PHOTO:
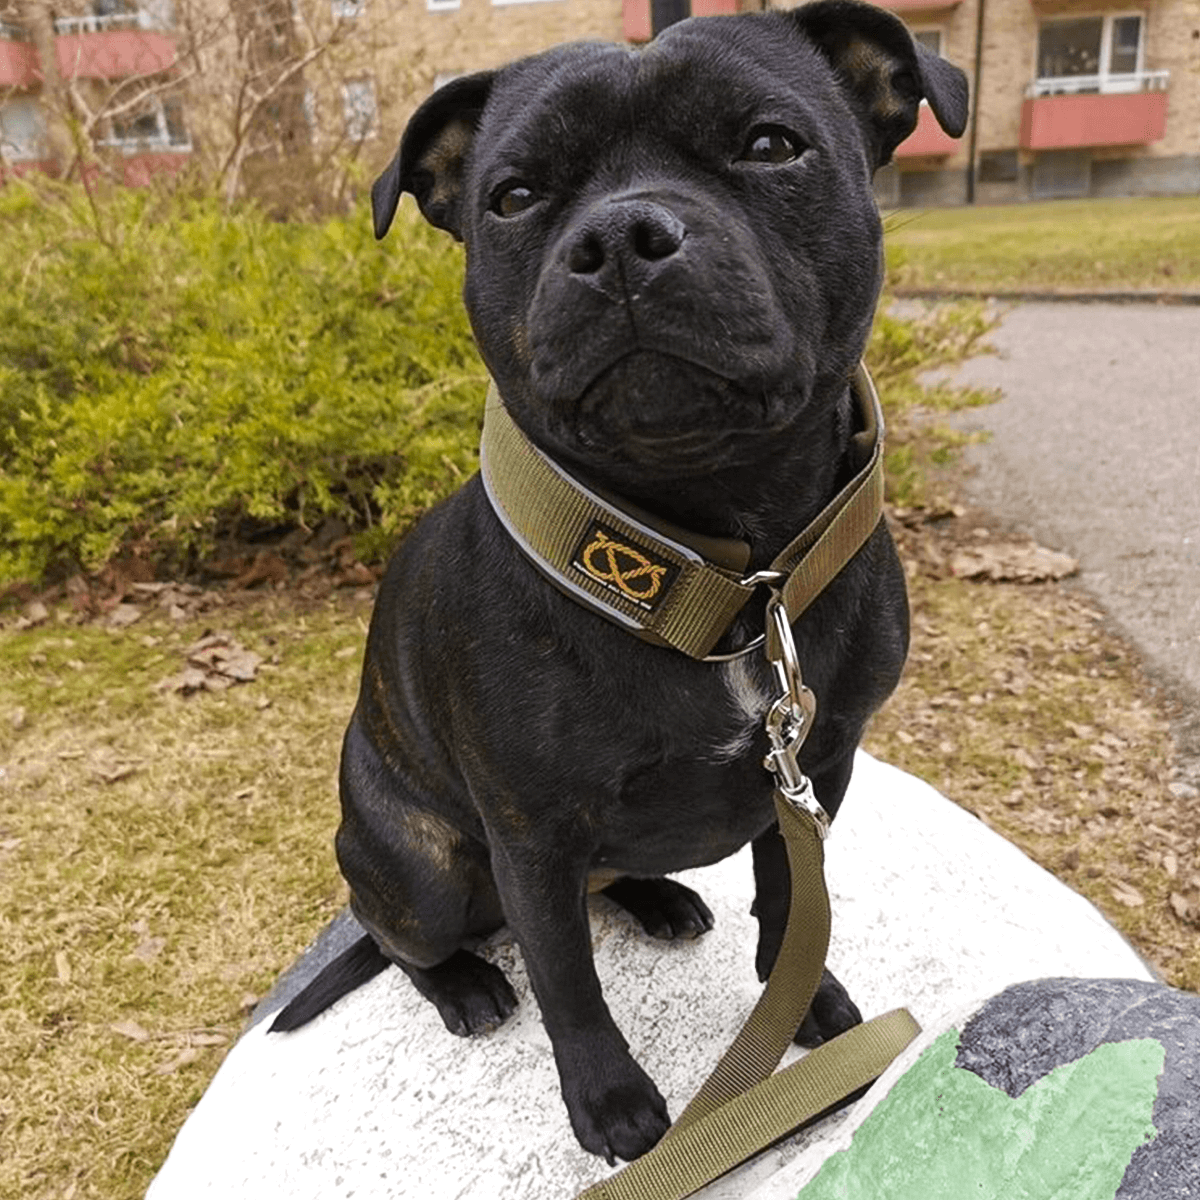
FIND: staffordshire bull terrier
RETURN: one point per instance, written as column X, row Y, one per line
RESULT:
column 673, row 257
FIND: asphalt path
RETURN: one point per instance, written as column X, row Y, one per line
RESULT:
column 1094, row 449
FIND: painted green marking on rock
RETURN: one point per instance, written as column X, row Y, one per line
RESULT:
column 942, row 1133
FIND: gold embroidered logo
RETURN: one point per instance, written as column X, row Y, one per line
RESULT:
column 629, row 570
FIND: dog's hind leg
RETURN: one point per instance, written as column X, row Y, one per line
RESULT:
column 666, row 909
column 471, row 994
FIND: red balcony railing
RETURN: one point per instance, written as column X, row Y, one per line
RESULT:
column 1081, row 111
column 18, row 59
column 111, row 47
column 638, row 25
column 927, row 140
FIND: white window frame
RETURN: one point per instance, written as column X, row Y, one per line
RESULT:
column 442, row 5
column 1106, row 82
column 160, row 140
column 31, row 148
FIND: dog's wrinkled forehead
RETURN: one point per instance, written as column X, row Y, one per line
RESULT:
column 695, row 86
column 838, row 73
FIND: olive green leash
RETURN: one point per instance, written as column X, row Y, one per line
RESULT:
column 743, row 1107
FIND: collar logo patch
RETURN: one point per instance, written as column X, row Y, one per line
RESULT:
column 629, row 570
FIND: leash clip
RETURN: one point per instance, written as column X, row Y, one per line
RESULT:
column 789, row 719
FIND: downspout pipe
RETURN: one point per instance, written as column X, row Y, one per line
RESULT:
column 973, row 135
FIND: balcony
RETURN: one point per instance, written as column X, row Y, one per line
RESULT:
column 1078, row 111
column 928, row 140
column 916, row 6
column 112, row 46
column 18, row 58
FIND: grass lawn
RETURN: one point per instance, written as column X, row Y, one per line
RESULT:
column 163, row 856
column 1134, row 244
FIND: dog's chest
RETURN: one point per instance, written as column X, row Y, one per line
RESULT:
column 747, row 698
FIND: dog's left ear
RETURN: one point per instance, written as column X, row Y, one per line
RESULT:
column 886, row 72
column 432, row 155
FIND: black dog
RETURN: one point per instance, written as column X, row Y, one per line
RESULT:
column 673, row 258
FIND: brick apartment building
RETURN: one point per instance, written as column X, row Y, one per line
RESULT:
column 1073, row 97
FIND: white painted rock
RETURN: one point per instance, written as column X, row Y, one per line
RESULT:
column 375, row 1099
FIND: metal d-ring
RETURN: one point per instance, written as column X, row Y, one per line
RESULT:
column 751, row 581
column 787, row 666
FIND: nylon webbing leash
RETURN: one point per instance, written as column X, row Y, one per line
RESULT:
column 742, row 1108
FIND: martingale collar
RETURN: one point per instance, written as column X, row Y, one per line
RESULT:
column 664, row 584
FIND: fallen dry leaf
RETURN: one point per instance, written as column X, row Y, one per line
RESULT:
column 1184, row 908
column 187, row 1055
column 148, row 949
column 123, row 616
column 215, row 663
column 1012, row 562
column 130, row 1029
column 1127, row 894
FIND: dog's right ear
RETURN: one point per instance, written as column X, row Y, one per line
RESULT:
column 432, row 154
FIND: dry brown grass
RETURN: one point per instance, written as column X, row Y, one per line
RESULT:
column 161, row 858
column 1021, row 705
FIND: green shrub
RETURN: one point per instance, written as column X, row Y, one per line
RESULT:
column 168, row 372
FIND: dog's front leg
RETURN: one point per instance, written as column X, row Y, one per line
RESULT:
column 615, row 1109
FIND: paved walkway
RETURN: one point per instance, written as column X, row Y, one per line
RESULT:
column 1095, row 450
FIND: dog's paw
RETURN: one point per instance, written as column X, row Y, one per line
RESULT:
column 831, row 1012
column 666, row 909
column 616, row 1111
column 471, row 995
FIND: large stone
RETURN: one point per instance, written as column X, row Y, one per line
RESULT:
column 375, row 1099
column 1053, row 1088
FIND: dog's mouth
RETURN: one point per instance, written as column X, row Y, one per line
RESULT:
column 660, row 409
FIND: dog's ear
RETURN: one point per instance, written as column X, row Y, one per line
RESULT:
column 432, row 155
column 886, row 72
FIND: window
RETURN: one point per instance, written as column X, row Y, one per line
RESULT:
column 931, row 39
column 1091, row 54
column 22, row 130
column 347, row 10
column 359, row 109
column 157, row 124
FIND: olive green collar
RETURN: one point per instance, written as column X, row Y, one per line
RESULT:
column 664, row 584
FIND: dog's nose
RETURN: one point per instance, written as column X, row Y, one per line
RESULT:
column 636, row 232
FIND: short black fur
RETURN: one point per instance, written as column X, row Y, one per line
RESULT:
column 674, row 316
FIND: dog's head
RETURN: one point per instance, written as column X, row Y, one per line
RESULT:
column 673, row 253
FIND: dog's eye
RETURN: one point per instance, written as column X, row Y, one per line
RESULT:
column 511, row 199
column 771, row 144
